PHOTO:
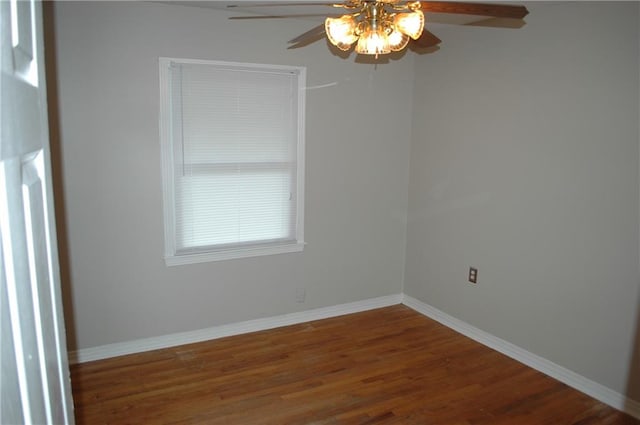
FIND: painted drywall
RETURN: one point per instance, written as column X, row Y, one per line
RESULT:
column 524, row 164
column 119, row 288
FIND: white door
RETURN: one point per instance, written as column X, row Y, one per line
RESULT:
column 35, row 385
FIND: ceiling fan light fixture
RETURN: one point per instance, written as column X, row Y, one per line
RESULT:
column 410, row 23
column 341, row 31
column 373, row 41
column 397, row 40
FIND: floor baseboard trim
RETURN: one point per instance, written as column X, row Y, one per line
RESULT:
column 166, row 341
column 574, row 380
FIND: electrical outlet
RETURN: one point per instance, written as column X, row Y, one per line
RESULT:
column 473, row 275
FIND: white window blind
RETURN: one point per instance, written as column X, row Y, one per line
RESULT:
column 234, row 155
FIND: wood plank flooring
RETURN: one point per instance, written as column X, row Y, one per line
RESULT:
column 384, row 366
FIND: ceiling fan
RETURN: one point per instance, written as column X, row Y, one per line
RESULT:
column 378, row 27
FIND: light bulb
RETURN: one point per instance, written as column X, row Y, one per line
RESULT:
column 341, row 31
column 411, row 23
column 398, row 40
column 373, row 42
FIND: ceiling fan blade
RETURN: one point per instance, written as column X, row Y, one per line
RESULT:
column 313, row 32
column 482, row 9
column 251, row 5
column 307, row 15
column 427, row 39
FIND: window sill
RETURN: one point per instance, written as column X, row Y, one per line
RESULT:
column 231, row 254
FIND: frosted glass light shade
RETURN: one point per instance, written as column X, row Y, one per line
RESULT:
column 398, row 40
column 341, row 31
column 411, row 23
column 373, row 42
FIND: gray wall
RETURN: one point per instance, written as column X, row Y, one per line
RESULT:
column 356, row 171
column 524, row 164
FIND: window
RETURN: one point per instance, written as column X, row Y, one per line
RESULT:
column 233, row 159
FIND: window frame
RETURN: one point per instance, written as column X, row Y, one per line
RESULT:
column 225, row 251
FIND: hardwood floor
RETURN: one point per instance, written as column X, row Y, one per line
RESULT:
column 385, row 366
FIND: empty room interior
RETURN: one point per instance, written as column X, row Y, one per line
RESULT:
column 510, row 151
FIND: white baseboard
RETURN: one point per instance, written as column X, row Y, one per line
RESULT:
column 579, row 382
column 166, row 341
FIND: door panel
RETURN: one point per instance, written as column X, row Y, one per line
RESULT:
column 35, row 374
